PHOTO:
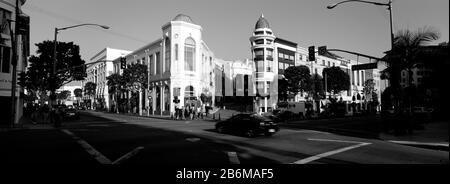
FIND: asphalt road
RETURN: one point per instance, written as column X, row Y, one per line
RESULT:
column 120, row 139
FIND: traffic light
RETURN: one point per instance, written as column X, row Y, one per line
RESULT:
column 123, row 63
column 23, row 24
column 311, row 53
column 322, row 50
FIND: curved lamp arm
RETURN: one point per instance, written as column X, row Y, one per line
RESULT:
column 64, row 28
column 331, row 6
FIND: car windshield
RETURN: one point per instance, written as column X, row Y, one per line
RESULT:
column 259, row 117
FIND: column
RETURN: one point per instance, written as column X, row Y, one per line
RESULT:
column 140, row 101
column 153, row 100
column 161, row 107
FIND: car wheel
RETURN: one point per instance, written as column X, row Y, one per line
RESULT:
column 268, row 134
column 249, row 133
column 220, row 129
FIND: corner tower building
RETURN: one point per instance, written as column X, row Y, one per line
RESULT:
column 266, row 73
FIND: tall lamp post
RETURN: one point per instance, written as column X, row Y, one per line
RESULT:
column 53, row 90
column 388, row 4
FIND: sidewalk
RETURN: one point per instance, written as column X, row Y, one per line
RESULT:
column 435, row 136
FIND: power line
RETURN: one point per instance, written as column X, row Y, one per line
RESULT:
column 32, row 7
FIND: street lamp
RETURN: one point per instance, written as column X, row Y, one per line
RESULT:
column 54, row 56
column 388, row 4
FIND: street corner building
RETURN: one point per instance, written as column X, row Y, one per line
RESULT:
column 7, row 31
column 183, row 71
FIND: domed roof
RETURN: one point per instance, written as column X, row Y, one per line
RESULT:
column 184, row 18
column 262, row 23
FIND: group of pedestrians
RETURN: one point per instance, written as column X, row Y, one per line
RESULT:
column 190, row 112
column 43, row 114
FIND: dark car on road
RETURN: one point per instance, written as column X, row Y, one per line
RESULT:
column 282, row 116
column 71, row 114
column 249, row 125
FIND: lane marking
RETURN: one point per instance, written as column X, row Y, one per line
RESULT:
column 308, row 131
column 329, row 153
column 128, row 155
column 419, row 143
column 193, row 139
column 91, row 150
column 233, row 158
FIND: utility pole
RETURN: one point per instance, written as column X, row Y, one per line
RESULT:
column 14, row 66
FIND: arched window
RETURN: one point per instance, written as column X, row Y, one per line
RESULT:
column 189, row 54
column 167, row 55
column 189, row 91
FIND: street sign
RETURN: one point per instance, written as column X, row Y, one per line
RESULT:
column 365, row 66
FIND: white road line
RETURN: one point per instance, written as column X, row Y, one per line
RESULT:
column 329, row 153
column 232, row 156
column 308, row 131
column 419, row 143
column 128, row 155
column 193, row 139
column 91, row 150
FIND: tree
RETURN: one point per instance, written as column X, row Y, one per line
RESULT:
column 89, row 90
column 38, row 77
column 78, row 92
column 404, row 55
column 282, row 89
column 369, row 89
column 135, row 78
column 63, row 95
column 115, row 84
column 297, row 78
column 316, row 90
column 337, row 79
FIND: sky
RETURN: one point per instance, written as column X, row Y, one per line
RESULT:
column 228, row 25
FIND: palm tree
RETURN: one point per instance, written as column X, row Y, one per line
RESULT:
column 404, row 56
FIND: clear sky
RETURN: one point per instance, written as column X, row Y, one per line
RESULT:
column 227, row 25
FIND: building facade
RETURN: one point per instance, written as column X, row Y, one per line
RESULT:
column 180, row 66
column 101, row 67
column 7, row 12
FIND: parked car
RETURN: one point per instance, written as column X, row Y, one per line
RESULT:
column 71, row 114
column 249, row 125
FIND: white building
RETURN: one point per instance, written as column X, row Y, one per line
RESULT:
column 101, row 67
column 180, row 65
column 7, row 11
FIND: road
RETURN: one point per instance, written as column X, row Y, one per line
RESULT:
column 105, row 138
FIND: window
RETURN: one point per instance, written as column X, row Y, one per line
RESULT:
column 315, row 70
column 291, row 58
column 300, row 57
column 259, row 54
column 189, row 54
column 260, row 66
column 167, row 55
column 176, row 52
column 334, row 65
column 269, row 42
column 286, row 57
column 280, row 55
column 151, row 62
column 329, row 64
column 5, row 57
column 259, row 32
column 158, row 63
column 280, row 66
column 269, row 66
column 144, row 61
column 268, row 32
column 270, row 54
column 268, row 87
column 260, row 41
column 4, row 16
column 323, row 62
